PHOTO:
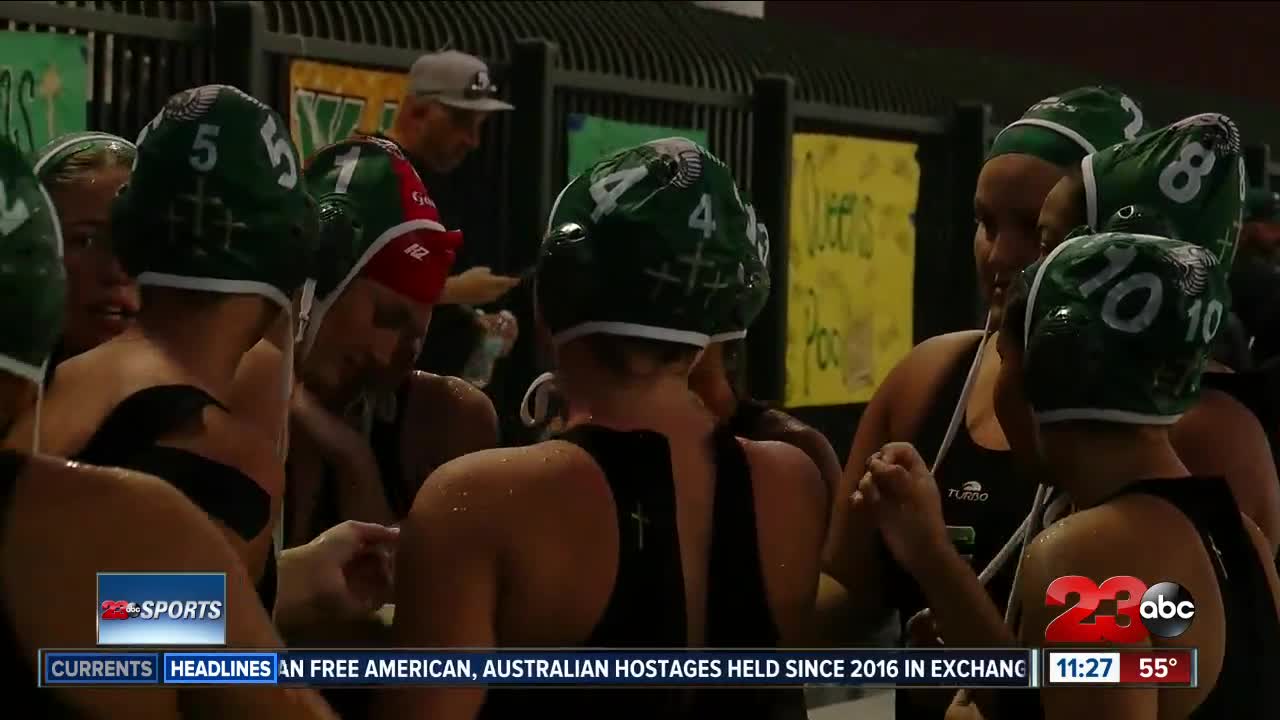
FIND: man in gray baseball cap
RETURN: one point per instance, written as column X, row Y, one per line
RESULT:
column 449, row 96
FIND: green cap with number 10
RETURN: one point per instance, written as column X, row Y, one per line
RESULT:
column 657, row 242
column 1118, row 327
column 216, row 201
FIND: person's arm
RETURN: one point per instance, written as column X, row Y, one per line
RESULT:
column 69, row 416
column 257, row 393
column 331, row 587
column 1085, row 544
column 447, row 586
column 851, row 592
column 470, row 425
column 818, row 448
column 114, row 520
column 476, row 286
column 1219, row 437
column 793, row 505
column 902, row 496
column 357, row 476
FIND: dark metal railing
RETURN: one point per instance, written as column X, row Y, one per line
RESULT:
column 748, row 84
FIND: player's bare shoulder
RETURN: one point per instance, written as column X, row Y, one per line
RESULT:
column 911, row 386
column 787, row 485
column 511, row 487
column 99, row 501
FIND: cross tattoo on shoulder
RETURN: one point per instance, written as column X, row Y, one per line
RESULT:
column 641, row 520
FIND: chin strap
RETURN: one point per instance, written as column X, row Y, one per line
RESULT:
column 35, row 435
column 540, row 391
column 1037, row 518
column 289, row 351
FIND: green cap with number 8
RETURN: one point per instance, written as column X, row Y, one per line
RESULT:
column 1118, row 327
column 216, row 201
column 654, row 242
column 1192, row 173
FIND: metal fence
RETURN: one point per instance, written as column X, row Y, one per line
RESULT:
column 750, row 85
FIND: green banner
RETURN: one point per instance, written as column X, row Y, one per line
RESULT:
column 43, row 86
column 592, row 138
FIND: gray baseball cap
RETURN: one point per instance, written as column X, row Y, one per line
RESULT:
column 456, row 79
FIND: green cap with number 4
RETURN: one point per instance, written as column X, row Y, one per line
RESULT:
column 1118, row 328
column 1192, row 173
column 656, row 242
column 217, row 201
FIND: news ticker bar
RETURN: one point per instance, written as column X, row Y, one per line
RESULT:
column 951, row 668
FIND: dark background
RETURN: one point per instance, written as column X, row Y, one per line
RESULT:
column 1222, row 48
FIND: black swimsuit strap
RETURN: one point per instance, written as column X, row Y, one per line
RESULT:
column 128, row 438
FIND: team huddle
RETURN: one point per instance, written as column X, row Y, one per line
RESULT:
column 197, row 407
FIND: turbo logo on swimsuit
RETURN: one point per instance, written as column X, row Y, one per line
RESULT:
column 1164, row 610
column 162, row 609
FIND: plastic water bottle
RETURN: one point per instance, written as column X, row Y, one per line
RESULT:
column 479, row 368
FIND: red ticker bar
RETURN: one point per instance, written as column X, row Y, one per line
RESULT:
column 1165, row 668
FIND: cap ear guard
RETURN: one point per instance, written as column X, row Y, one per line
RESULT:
column 567, row 266
column 341, row 232
column 1064, row 356
column 1140, row 220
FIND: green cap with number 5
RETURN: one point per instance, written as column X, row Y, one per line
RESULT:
column 657, row 242
column 1192, row 173
column 216, row 201
column 1117, row 327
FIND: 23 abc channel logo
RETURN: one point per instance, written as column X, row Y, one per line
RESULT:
column 120, row 610
column 1164, row 609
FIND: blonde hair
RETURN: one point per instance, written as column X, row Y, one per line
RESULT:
column 97, row 156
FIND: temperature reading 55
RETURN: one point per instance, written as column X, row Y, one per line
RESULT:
column 1156, row 667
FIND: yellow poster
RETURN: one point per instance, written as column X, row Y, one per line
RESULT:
column 852, row 263
column 330, row 102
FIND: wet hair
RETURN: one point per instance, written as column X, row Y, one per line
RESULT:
column 77, row 165
column 618, row 354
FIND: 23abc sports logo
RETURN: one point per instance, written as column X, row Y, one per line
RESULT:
column 1164, row 610
column 141, row 609
column 155, row 610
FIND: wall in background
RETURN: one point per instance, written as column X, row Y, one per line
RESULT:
column 1223, row 48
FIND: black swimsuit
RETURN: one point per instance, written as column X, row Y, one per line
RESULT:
column 647, row 606
column 1251, row 658
column 128, row 439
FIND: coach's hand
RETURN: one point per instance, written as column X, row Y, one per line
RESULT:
column 903, row 497
column 344, row 574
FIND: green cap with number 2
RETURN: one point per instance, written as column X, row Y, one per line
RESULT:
column 656, row 242
column 1066, row 127
column 1191, row 173
column 217, row 201
column 1118, row 328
